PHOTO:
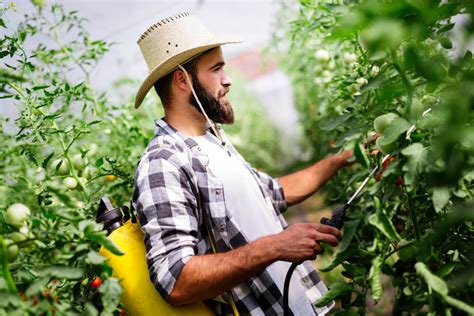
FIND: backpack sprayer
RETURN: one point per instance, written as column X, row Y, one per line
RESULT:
column 139, row 295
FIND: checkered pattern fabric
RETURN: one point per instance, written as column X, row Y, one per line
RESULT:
column 173, row 190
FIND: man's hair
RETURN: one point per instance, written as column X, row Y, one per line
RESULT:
column 163, row 85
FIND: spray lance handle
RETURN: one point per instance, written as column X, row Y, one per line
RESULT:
column 337, row 217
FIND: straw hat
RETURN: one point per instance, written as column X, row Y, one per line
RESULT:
column 171, row 42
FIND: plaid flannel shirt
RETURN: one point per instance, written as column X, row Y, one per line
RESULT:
column 173, row 190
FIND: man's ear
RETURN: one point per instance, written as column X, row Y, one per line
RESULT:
column 180, row 80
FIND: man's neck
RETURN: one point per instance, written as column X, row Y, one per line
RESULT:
column 186, row 119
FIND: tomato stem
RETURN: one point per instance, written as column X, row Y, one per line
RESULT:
column 5, row 269
column 405, row 80
column 413, row 216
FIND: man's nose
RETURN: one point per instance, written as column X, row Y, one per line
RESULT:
column 226, row 81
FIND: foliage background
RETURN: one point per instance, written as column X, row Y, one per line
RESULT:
column 412, row 227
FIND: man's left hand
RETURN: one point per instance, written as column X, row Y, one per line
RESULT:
column 344, row 158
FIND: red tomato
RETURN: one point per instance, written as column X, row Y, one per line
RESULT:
column 96, row 282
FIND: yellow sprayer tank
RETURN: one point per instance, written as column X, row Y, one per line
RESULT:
column 139, row 294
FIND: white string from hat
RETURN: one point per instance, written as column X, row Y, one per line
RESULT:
column 211, row 123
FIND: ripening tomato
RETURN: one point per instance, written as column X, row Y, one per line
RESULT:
column 17, row 214
column 96, row 282
column 111, row 177
column 383, row 121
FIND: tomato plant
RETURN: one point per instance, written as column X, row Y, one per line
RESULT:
column 404, row 69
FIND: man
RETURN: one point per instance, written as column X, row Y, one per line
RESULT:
column 194, row 193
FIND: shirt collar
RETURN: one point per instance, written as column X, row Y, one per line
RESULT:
column 165, row 128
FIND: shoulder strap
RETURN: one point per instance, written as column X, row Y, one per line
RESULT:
column 214, row 250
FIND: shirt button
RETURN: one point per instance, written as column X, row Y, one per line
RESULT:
column 218, row 191
column 199, row 148
column 222, row 226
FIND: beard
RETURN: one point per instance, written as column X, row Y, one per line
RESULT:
column 217, row 109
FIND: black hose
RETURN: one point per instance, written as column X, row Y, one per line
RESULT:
column 337, row 220
column 286, row 289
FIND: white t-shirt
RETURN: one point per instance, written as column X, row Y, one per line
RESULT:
column 251, row 213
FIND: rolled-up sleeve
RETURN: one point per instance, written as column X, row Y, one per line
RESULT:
column 274, row 190
column 167, row 210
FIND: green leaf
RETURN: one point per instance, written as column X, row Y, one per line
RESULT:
column 111, row 292
column 380, row 220
column 344, row 252
column 335, row 290
column 350, row 227
column 45, row 162
column 10, row 299
column 375, row 275
column 339, row 258
column 90, row 310
column 434, row 282
column 61, row 272
column 332, row 124
column 394, row 130
column 95, row 258
column 37, row 287
column 440, row 198
column 41, row 87
column 99, row 162
column 417, row 158
column 108, row 244
column 361, row 155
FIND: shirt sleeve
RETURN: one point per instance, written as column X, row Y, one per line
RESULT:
column 274, row 190
column 167, row 211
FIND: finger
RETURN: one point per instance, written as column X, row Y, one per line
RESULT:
column 327, row 229
column 329, row 239
column 318, row 248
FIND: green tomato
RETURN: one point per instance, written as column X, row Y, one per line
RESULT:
column 60, row 166
column 78, row 162
column 407, row 253
column 386, row 149
column 91, row 150
column 70, row 183
column 87, row 172
column 12, row 249
column 18, row 237
column 17, row 214
column 383, row 121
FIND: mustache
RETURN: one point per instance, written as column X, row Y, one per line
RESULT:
column 223, row 92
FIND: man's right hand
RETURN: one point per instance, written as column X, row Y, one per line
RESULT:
column 300, row 242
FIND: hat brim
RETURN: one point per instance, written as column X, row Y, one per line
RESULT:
column 171, row 64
